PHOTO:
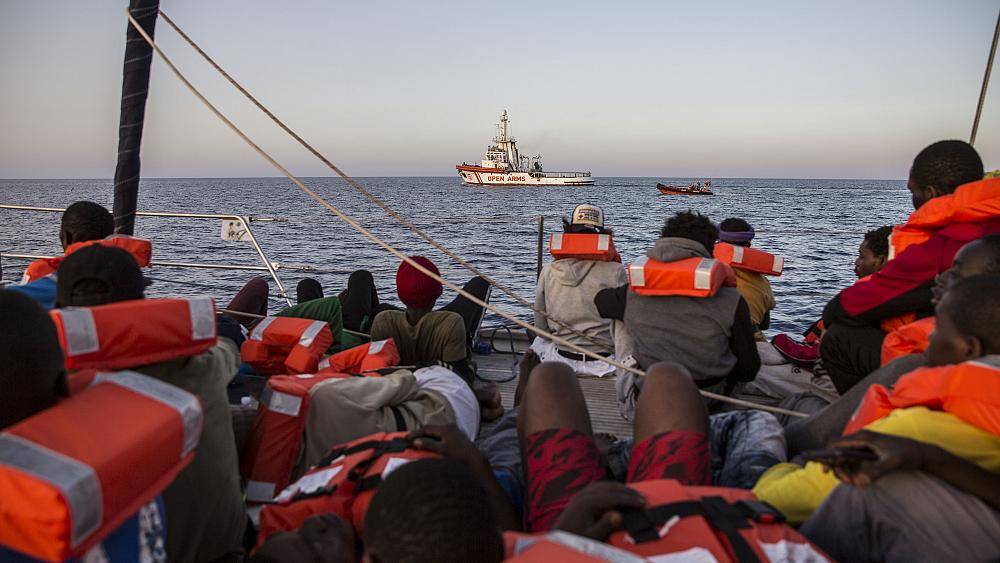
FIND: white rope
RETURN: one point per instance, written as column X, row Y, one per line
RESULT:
column 392, row 250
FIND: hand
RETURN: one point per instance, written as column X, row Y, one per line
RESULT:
column 894, row 454
column 591, row 513
column 449, row 442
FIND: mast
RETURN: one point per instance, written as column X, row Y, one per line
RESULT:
column 986, row 82
column 135, row 89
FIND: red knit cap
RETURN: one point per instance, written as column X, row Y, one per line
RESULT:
column 416, row 289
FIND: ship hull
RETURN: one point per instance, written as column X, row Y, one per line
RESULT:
column 479, row 176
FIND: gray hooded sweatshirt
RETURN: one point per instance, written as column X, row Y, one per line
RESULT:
column 691, row 331
column 566, row 290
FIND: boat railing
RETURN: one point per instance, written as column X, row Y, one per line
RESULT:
column 548, row 174
column 243, row 222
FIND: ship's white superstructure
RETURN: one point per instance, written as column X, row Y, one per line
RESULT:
column 505, row 166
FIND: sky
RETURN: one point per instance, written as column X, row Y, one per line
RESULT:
column 792, row 89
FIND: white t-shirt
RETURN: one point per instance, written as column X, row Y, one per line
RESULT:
column 458, row 394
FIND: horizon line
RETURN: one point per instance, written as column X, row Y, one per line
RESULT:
column 448, row 176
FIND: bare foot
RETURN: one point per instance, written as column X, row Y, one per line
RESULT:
column 490, row 405
column 528, row 363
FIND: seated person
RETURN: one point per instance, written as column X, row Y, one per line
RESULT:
column 204, row 503
column 754, row 287
column 712, row 337
column 914, row 502
column 565, row 292
column 965, row 339
column 954, row 205
column 33, row 378
column 83, row 221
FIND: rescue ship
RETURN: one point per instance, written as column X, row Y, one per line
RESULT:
column 503, row 165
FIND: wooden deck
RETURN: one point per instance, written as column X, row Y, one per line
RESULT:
column 600, row 393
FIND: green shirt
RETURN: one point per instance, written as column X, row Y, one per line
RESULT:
column 326, row 309
column 437, row 336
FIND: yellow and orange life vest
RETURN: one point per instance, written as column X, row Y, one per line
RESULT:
column 135, row 333
column 286, row 345
column 912, row 338
column 72, row 474
column 584, row 246
column 970, row 391
column 277, row 433
column 747, row 258
column 692, row 277
column 342, row 483
column 140, row 249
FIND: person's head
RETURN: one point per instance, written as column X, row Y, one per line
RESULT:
column 417, row 290
column 736, row 231
column 873, row 252
column 966, row 322
column 32, row 368
column 586, row 219
column 325, row 538
column 941, row 168
column 431, row 510
column 981, row 256
column 97, row 275
column 83, row 221
column 692, row 226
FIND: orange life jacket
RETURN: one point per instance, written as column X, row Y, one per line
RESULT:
column 140, row 249
column 342, row 483
column 276, row 437
column 72, row 474
column 911, row 338
column 286, row 345
column 970, row 391
column 747, row 258
column 134, row 333
column 703, row 523
column 693, row 277
column 970, row 203
column 585, row 246
column 363, row 358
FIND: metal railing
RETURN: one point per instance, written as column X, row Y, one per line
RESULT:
column 546, row 174
column 244, row 220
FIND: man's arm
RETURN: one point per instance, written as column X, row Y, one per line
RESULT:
column 541, row 322
column 744, row 345
column 611, row 302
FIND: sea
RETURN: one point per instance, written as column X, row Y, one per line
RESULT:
column 816, row 225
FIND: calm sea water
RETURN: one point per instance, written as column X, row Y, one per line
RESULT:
column 815, row 224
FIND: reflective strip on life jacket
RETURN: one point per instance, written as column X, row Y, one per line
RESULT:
column 584, row 246
column 286, row 345
column 71, row 474
column 692, row 277
column 970, row 391
column 363, row 358
column 747, row 258
column 133, row 333
column 911, row 338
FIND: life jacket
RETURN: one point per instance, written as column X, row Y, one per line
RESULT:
column 276, row 437
column 134, row 333
column 970, row 391
column 690, row 524
column 286, row 345
column 363, row 358
column 747, row 258
column 584, row 246
column 342, row 483
column 974, row 202
column 908, row 339
column 693, row 277
column 70, row 475
column 141, row 249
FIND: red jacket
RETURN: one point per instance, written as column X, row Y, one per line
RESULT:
column 924, row 247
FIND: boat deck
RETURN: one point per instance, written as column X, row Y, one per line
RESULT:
column 599, row 392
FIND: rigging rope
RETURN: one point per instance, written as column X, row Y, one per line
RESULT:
column 394, row 251
column 370, row 196
column 986, row 82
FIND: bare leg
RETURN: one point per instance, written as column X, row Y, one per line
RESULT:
column 252, row 299
column 669, row 401
column 552, row 399
column 528, row 363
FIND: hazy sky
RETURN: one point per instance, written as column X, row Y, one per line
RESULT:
column 850, row 89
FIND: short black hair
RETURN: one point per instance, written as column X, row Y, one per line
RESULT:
column 973, row 305
column 86, row 220
column 692, row 226
column 946, row 165
column 989, row 246
column 32, row 372
column 734, row 224
column 97, row 275
column 878, row 240
column 431, row 510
